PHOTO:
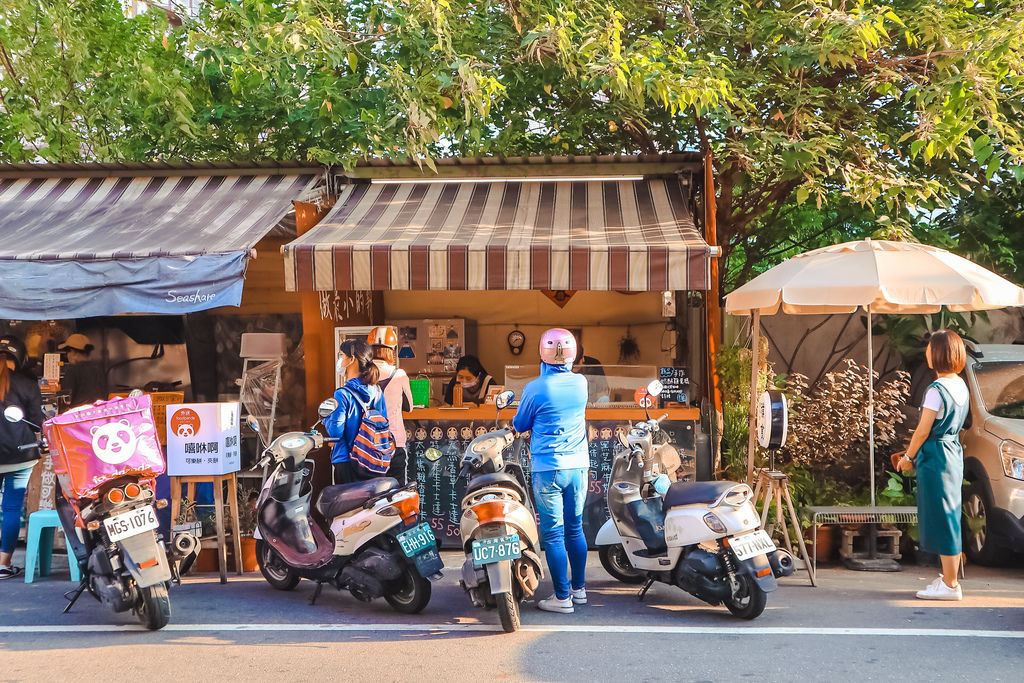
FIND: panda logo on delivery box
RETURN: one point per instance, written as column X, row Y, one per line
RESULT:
column 114, row 442
column 185, row 423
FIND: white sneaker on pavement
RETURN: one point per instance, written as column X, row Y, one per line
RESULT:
column 553, row 604
column 938, row 590
column 579, row 596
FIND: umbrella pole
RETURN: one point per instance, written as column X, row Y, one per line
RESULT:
column 871, row 408
column 755, row 365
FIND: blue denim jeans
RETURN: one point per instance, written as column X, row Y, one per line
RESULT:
column 14, row 485
column 560, row 495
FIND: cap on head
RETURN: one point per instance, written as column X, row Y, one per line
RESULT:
column 12, row 347
column 557, row 347
column 383, row 336
column 77, row 342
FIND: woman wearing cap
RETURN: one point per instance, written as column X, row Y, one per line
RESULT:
column 16, row 389
column 553, row 409
column 394, row 382
column 84, row 378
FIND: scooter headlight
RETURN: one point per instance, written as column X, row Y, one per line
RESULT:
column 715, row 523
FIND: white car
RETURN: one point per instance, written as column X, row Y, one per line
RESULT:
column 993, row 442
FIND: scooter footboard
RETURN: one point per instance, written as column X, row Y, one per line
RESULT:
column 759, row 569
column 145, row 558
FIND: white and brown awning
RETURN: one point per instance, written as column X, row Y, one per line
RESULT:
column 618, row 234
column 100, row 239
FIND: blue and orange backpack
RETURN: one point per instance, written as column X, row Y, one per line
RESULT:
column 374, row 446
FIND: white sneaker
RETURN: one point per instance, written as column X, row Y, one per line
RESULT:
column 579, row 596
column 553, row 604
column 938, row 590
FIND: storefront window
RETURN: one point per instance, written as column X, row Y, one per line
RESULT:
column 610, row 386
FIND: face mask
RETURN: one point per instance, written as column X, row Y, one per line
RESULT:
column 342, row 367
column 468, row 385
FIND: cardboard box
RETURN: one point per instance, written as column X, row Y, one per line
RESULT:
column 202, row 439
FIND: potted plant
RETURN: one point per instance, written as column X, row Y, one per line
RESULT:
column 247, row 497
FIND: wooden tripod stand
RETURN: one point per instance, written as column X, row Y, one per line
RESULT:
column 773, row 486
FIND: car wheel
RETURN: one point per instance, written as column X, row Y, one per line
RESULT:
column 980, row 544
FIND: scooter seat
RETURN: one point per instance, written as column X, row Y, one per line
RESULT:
column 482, row 481
column 335, row 501
column 694, row 492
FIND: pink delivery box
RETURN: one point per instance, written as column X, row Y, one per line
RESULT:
column 109, row 439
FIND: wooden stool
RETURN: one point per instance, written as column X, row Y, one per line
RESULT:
column 773, row 487
column 218, row 481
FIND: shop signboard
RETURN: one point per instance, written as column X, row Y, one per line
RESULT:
column 202, row 439
column 676, row 383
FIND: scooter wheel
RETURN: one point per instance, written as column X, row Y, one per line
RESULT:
column 616, row 562
column 749, row 601
column 410, row 592
column 154, row 610
column 274, row 570
column 508, row 611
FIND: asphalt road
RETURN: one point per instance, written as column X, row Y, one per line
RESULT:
column 856, row 626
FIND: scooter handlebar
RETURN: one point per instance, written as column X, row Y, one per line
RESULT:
column 29, row 446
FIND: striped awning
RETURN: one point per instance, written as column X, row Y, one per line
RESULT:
column 593, row 234
column 173, row 243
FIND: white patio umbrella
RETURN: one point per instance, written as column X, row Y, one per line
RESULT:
column 878, row 276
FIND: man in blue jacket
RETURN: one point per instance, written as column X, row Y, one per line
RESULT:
column 553, row 409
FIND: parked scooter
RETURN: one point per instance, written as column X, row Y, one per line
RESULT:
column 375, row 546
column 114, row 538
column 499, row 529
column 703, row 537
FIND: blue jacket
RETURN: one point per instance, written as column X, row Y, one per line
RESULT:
column 553, row 409
column 343, row 423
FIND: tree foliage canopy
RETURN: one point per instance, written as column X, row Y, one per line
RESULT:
column 896, row 106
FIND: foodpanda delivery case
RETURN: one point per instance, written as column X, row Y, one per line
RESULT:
column 99, row 443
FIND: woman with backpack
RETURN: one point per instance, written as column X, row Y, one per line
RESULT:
column 16, row 465
column 359, row 398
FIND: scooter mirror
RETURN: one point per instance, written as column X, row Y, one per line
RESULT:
column 14, row 414
column 327, row 407
column 503, row 399
column 655, row 388
column 253, row 423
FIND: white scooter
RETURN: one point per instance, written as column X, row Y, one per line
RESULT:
column 703, row 537
column 375, row 546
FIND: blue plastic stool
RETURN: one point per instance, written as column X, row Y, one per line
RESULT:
column 39, row 546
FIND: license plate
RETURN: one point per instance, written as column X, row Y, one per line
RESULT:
column 131, row 523
column 488, row 550
column 752, row 545
column 416, row 540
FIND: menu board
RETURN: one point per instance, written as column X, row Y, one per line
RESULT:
column 676, row 383
column 436, row 448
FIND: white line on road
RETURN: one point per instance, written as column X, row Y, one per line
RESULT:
column 554, row 628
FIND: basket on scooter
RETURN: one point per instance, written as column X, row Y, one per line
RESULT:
column 96, row 444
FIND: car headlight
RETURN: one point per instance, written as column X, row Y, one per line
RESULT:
column 1013, row 459
column 714, row 523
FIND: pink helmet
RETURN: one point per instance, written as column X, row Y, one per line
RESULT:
column 557, row 347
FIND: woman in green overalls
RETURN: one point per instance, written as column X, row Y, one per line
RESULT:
column 936, row 453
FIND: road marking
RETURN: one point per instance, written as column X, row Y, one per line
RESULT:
column 553, row 628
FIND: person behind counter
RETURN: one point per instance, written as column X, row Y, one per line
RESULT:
column 474, row 379
column 84, row 379
column 553, row 409
column 597, row 382
column 394, row 382
column 355, row 362
column 16, row 465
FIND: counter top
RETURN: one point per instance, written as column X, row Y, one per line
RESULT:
column 487, row 413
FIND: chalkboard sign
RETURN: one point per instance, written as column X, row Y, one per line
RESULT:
column 436, row 448
column 677, row 384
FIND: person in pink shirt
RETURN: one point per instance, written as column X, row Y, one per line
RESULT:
column 397, row 396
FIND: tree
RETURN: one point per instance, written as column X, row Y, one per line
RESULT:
column 893, row 107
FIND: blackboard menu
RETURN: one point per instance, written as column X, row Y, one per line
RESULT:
column 677, row 384
column 436, row 448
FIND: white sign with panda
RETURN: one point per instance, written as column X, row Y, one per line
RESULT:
column 202, row 439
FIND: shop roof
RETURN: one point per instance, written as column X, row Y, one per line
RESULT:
column 622, row 232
